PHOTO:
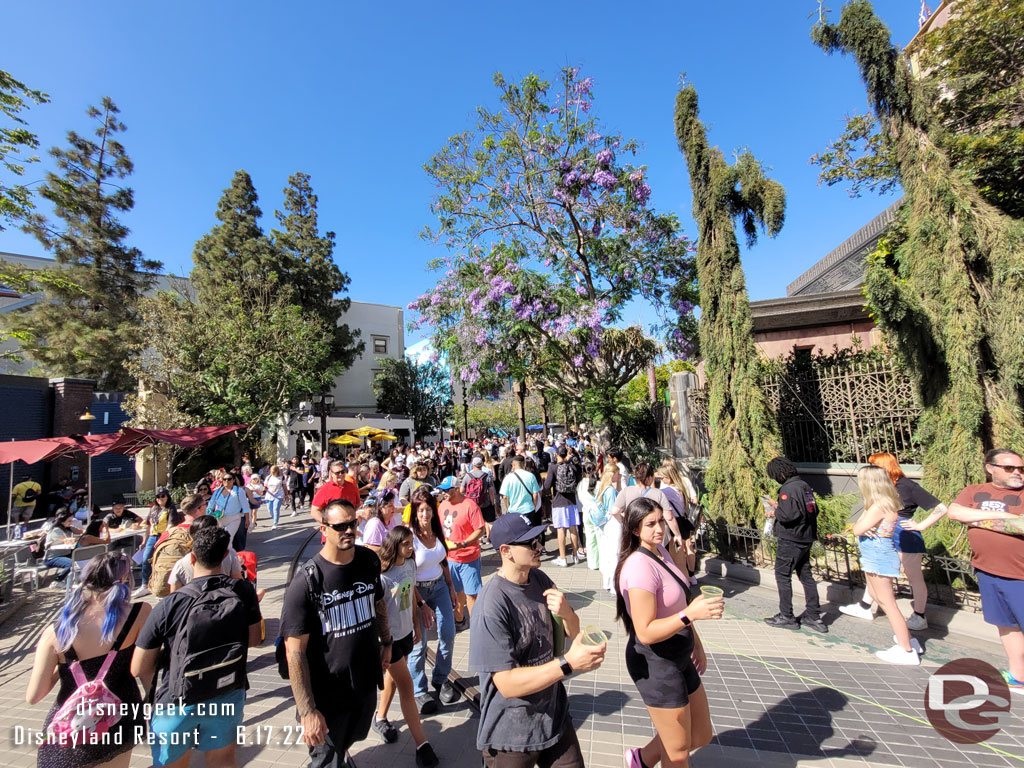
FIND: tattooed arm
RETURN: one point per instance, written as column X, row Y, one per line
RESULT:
column 380, row 607
column 1012, row 526
column 313, row 724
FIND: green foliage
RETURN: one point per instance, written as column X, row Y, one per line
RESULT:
column 969, row 83
column 422, row 391
column 15, row 139
column 550, row 237
column 637, row 391
column 945, row 282
column 502, row 414
column 742, row 429
column 834, row 513
column 307, row 267
column 241, row 350
column 87, row 324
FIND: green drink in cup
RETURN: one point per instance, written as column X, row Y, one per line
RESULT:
column 711, row 592
column 591, row 635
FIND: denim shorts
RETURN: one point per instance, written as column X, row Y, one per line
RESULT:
column 466, row 577
column 910, row 542
column 878, row 556
column 207, row 726
column 1002, row 600
column 565, row 517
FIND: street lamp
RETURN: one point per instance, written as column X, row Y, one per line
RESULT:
column 326, row 405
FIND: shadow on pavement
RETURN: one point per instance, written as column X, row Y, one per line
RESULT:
column 799, row 724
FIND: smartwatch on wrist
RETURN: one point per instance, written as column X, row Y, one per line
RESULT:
column 566, row 666
column 687, row 621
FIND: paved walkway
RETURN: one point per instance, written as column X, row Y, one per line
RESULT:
column 777, row 698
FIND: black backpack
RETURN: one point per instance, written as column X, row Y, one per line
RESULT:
column 543, row 460
column 208, row 653
column 565, row 478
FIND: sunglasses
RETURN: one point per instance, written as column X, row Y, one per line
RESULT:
column 351, row 525
column 1010, row 468
column 535, row 543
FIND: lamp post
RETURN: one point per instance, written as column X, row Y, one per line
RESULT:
column 326, row 404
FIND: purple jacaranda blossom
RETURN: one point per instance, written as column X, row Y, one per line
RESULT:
column 555, row 111
column 683, row 307
column 593, row 348
column 464, row 374
column 581, row 290
column 564, row 165
column 494, row 294
column 500, row 367
column 596, row 229
column 605, row 157
column 488, row 269
column 606, row 179
column 434, row 357
column 561, row 196
column 413, row 305
column 641, row 192
column 636, row 176
column 616, row 144
column 578, row 361
column 548, row 262
column 481, row 336
column 474, row 365
column 436, row 299
column 585, row 86
column 585, row 106
column 593, row 137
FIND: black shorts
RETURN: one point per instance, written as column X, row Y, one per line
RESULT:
column 401, row 648
column 488, row 513
column 344, row 728
column 664, row 674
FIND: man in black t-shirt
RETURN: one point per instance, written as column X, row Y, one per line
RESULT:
column 176, row 729
column 335, row 629
column 796, row 528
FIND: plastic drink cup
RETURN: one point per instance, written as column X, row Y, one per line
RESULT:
column 591, row 635
column 710, row 591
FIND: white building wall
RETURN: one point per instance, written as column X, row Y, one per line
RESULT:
column 378, row 324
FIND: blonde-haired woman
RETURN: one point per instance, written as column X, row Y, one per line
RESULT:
column 681, row 494
column 611, row 529
column 879, row 559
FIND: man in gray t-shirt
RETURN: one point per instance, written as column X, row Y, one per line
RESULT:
column 524, row 712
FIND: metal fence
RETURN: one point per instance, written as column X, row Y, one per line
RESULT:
column 950, row 581
column 665, row 435
column 833, row 414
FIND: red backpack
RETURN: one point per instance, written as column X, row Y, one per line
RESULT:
column 475, row 489
column 249, row 562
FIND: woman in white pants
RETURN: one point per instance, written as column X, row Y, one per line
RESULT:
column 611, row 529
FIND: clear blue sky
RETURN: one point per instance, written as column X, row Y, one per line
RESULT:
column 360, row 95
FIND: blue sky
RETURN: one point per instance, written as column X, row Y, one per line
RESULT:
column 360, row 95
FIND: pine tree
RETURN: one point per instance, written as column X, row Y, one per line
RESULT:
column 743, row 433
column 88, row 323
column 945, row 283
column 308, row 262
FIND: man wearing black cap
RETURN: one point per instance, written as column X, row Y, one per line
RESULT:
column 524, row 711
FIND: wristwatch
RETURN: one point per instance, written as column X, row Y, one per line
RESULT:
column 566, row 666
column 687, row 621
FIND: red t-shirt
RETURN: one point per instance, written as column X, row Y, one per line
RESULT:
column 331, row 491
column 460, row 521
column 997, row 553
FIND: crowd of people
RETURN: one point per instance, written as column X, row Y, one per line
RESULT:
column 399, row 566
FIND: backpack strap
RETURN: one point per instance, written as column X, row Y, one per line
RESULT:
column 685, row 587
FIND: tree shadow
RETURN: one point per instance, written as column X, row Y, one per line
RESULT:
column 801, row 724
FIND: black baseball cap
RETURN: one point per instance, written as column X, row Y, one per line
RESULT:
column 513, row 529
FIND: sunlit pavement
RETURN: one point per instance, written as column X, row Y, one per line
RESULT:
column 777, row 697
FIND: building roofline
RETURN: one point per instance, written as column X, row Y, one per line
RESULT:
column 809, row 310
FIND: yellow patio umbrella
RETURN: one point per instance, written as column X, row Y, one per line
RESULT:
column 383, row 437
column 365, row 432
column 345, row 440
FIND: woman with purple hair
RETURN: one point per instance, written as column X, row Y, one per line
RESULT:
column 98, row 621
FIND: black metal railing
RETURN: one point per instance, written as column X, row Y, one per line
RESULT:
column 950, row 581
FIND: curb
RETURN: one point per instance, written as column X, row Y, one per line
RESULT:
column 962, row 626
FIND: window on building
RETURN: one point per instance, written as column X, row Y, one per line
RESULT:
column 380, row 345
column 803, row 354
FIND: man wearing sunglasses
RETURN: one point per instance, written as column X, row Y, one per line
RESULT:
column 524, row 711
column 993, row 513
column 335, row 629
column 338, row 486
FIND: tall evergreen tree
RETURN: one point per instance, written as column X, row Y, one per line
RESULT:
column 743, row 432
column 946, row 282
column 88, row 323
column 309, row 267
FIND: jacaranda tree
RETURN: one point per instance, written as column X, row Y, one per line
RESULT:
column 550, row 234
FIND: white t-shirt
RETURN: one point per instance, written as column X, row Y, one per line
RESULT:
column 181, row 573
column 275, row 487
column 428, row 561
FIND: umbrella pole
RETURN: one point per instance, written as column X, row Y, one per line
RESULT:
column 10, row 496
column 88, row 498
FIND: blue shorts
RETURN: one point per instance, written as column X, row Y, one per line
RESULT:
column 207, row 726
column 1002, row 600
column 878, row 556
column 466, row 577
column 909, row 542
column 565, row 517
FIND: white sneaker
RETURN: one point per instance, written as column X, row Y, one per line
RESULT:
column 916, row 623
column 273, row 527
column 578, row 558
column 914, row 643
column 294, row 513
column 897, row 655
column 560, row 562
column 857, row 611
column 141, row 591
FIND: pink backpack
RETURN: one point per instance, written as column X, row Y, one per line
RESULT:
column 90, row 711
